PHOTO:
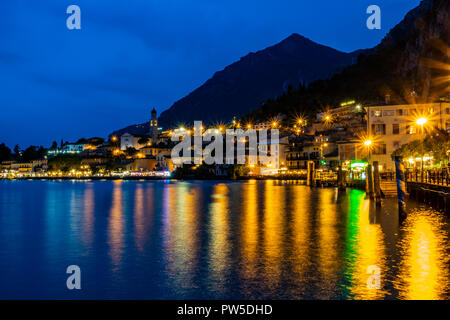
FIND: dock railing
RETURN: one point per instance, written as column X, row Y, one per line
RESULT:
column 440, row 177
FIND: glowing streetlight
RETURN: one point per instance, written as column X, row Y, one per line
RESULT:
column 421, row 121
column 368, row 143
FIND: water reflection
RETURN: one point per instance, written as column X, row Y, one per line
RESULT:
column 424, row 270
column 207, row 239
column 139, row 218
column 116, row 225
column 328, row 243
column 249, row 229
column 88, row 216
column 301, row 239
column 181, row 242
column 365, row 250
column 273, row 233
column 219, row 248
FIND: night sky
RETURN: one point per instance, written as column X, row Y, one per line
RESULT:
column 131, row 56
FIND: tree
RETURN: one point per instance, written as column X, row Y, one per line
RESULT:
column 65, row 163
column 143, row 140
column 54, row 145
column 237, row 170
column 437, row 144
column 131, row 151
column 5, row 152
column 82, row 141
column 33, row 153
column 17, row 154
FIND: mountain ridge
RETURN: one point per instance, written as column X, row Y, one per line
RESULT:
column 402, row 65
column 256, row 77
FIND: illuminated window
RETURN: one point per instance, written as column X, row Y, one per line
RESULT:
column 410, row 129
column 376, row 113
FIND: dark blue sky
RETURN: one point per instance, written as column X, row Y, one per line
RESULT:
column 131, row 56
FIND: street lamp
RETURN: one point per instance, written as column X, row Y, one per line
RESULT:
column 369, row 180
column 421, row 122
column 368, row 143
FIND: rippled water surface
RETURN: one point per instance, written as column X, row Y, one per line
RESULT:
column 208, row 240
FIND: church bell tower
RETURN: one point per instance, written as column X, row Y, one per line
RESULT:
column 153, row 126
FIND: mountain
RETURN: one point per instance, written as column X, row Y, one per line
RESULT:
column 245, row 84
column 410, row 65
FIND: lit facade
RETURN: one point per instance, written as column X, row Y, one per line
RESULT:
column 391, row 126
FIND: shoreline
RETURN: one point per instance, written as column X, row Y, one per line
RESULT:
column 152, row 178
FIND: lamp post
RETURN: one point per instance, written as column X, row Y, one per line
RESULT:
column 369, row 180
column 368, row 144
column 421, row 122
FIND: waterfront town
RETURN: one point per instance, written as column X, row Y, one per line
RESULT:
column 238, row 155
column 345, row 137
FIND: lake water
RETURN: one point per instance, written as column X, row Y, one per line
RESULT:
column 215, row 240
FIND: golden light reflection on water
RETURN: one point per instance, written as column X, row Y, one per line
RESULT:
column 301, row 223
column 365, row 249
column 274, row 203
column 290, row 241
column 219, row 249
column 181, row 235
column 328, row 249
column 116, row 224
column 249, row 231
column 423, row 272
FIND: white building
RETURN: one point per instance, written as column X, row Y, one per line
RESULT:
column 391, row 126
column 127, row 140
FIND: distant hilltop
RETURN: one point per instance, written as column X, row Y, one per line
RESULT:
column 299, row 76
column 245, row 84
column 407, row 67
